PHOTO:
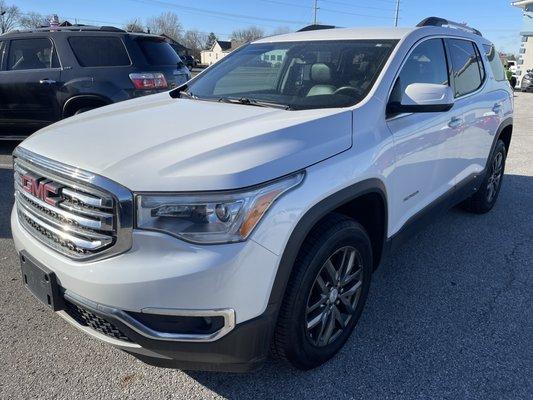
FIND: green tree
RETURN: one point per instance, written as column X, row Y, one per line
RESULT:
column 211, row 39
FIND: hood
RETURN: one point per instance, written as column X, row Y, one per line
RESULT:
column 157, row 143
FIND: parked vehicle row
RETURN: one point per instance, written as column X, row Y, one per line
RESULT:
column 243, row 213
column 47, row 75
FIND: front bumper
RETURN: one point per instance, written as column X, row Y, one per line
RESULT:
column 162, row 275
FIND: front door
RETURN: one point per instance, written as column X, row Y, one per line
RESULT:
column 29, row 82
column 425, row 143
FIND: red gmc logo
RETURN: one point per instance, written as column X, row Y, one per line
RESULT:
column 41, row 188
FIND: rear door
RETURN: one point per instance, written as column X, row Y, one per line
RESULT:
column 481, row 108
column 29, row 84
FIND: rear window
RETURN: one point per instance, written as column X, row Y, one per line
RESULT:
column 158, row 52
column 495, row 62
column 467, row 67
column 99, row 51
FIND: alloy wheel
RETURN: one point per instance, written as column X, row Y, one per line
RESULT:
column 495, row 176
column 334, row 296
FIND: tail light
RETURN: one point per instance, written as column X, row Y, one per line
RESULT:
column 149, row 80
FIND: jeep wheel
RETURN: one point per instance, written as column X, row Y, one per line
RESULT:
column 326, row 293
column 485, row 198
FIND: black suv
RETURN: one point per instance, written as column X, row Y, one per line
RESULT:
column 50, row 74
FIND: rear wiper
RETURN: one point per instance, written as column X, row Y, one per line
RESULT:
column 253, row 102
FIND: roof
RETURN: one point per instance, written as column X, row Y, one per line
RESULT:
column 224, row 44
column 341, row 34
column 106, row 30
column 367, row 34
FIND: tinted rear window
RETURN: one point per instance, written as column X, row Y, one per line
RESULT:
column 99, row 51
column 158, row 52
column 468, row 69
column 495, row 63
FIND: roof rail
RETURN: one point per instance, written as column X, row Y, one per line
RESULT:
column 72, row 28
column 315, row 27
column 436, row 21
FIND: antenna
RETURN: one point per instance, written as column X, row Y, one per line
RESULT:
column 397, row 13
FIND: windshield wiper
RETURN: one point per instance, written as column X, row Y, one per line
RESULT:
column 188, row 95
column 253, row 102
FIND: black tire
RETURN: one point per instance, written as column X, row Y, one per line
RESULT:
column 484, row 199
column 336, row 237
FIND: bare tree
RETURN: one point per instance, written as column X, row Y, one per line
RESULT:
column 281, row 30
column 167, row 23
column 247, row 35
column 9, row 16
column 134, row 25
column 33, row 20
column 195, row 40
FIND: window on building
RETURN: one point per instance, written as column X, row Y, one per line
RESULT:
column 524, row 38
column 32, row 54
column 468, row 70
column 279, row 57
column 99, row 51
column 495, row 61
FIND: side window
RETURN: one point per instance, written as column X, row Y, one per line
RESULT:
column 27, row 54
column 468, row 72
column 495, row 62
column 99, row 51
column 426, row 64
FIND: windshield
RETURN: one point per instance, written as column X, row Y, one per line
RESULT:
column 299, row 75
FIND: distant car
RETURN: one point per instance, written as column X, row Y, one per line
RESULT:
column 50, row 74
column 189, row 61
column 511, row 65
column 527, row 82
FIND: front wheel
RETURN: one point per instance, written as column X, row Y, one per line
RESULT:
column 326, row 293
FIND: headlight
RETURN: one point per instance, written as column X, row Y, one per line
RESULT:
column 217, row 217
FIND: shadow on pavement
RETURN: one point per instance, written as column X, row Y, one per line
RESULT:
column 445, row 317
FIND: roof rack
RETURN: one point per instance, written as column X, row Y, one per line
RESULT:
column 315, row 27
column 72, row 28
column 436, row 21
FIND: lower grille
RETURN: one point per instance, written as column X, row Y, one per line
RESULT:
column 86, row 318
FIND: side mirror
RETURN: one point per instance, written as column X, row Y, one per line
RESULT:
column 424, row 97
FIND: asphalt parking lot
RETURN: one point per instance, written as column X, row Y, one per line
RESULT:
column 450, row 316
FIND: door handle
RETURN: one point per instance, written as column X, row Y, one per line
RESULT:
column 47, row 81
column 455, row 122
column 497, row 108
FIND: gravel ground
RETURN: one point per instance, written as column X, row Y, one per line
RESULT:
column 450, row 316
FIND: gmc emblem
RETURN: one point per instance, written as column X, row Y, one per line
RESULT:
column 41, row 188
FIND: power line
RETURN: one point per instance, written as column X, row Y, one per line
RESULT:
column 217, row 14
column 342, row 3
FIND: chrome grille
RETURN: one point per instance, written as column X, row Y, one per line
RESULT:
column 67, row 210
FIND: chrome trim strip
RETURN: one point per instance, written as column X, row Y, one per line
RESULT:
column 102, row 224
column 87, row 199
column 85, row 244
column 77, row 178
column 96, row 334
column 228, row 314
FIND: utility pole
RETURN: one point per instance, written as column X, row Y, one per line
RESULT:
column 315, row 9
column 397, row 13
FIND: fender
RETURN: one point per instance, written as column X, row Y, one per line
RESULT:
column 505, row 124
column 308, row 221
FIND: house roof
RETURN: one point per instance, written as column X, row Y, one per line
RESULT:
column 224, row 44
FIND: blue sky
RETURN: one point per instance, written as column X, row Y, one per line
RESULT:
column 497, row 19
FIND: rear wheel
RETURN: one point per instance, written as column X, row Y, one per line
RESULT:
column 485, row 198
column 326, row 293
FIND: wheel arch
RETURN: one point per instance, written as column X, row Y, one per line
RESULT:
column 83, row 100
column 342, row 202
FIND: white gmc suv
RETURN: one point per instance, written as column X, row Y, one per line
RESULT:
column 243, row 214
